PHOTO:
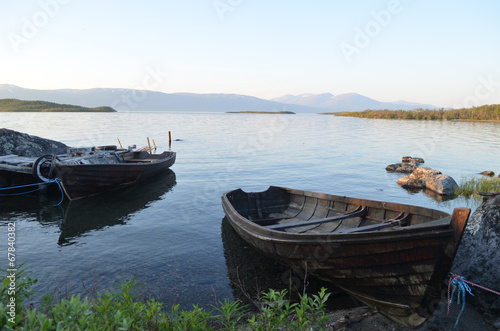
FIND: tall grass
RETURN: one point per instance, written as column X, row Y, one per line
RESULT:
column 470, row 185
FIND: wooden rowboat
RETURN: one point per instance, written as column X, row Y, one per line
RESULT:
column 390, row 256
column 101, row 171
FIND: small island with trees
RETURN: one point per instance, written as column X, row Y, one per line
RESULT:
column 480, row 113
column 15, row 105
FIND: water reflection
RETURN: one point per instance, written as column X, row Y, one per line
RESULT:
column 112, row 208
column 75, row 218
column 250, row 273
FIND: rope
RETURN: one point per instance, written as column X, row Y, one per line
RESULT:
column 60, row 190
column 460, row 283
column 474, row 284
column 56, row 180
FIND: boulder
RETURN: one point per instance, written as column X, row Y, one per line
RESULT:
column 431, row 179
column 410, row 183
column 478, row 258
column 409, row 159
column 441, row 184
column 407, row 166
column 22, row 144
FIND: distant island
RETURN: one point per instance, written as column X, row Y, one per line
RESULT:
column 260, row 112
column 481, row 113
column 15, row 105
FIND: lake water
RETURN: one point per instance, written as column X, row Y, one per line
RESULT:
column 169, row 233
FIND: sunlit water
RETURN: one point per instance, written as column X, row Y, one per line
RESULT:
column 169, row 233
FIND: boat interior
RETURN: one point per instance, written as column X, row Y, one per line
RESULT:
column 297, row 212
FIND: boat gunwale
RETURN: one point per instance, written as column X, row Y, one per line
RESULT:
column 438, row 227
column 171, row 156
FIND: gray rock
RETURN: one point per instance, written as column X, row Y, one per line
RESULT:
column 441, row 184
column 424, row 173
column 405, row 168
column 409, row 159
column 478, row 257
column 431, row 179
column 22, row 144
column 410, row 183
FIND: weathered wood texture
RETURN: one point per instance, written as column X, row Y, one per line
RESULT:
column 397, row 265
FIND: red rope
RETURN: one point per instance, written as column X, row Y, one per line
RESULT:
column 471, row 283
column 465, row 280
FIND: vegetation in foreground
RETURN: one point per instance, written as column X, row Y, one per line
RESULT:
column 126, row 308
column 481, row 113
column 469, row 186
column 15, row 105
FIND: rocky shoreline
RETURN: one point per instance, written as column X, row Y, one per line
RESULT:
column 22, row 144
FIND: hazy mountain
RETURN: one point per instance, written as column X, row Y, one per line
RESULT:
column 135, row 100
column 347, row 102
column 313, row 100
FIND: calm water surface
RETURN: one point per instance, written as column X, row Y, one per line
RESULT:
column 169, row 233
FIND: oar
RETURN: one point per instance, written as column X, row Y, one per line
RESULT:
column 396, row 221
column 359, row 212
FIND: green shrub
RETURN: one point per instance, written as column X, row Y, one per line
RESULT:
column 124, row 308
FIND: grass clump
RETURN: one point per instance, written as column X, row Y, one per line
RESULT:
column 469, row 186
column 125, row 308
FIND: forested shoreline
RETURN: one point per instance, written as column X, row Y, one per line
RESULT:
column 15, row 105
column 481, row 113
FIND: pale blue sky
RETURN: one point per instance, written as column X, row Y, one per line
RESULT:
column 445, row 53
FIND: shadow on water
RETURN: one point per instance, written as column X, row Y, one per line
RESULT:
column 75, row 218
column 252, row 272
column 112, row 208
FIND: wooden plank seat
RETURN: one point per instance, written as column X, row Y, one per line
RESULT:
column 359, row 212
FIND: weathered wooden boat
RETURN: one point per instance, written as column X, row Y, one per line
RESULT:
column 84, row 172
column 391, row 256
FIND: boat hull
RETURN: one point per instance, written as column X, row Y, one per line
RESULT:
column 82, row 180
column 399, row 270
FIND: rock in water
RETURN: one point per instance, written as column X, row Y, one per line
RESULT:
column 407, row 166
column 22, row 144
column 478, row 257
column 409, row 159
column 431, row 179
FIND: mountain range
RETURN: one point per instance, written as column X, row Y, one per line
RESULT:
column 347, row 102
column 136, row 100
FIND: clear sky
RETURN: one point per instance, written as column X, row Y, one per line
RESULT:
column 445, row 53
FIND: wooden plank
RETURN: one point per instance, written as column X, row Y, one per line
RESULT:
column 488, row 194
column 371, row 227
column 359, row 212
column 5, row 157
column 12, row 168
column 14, row 159
column 268, row 220
column 397, row 221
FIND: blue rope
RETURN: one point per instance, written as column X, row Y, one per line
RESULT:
column 459, row 285
column 56, row 180
column 60, row 190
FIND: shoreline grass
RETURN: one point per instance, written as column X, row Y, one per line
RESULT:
column 126, row 308
column 469, row 186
